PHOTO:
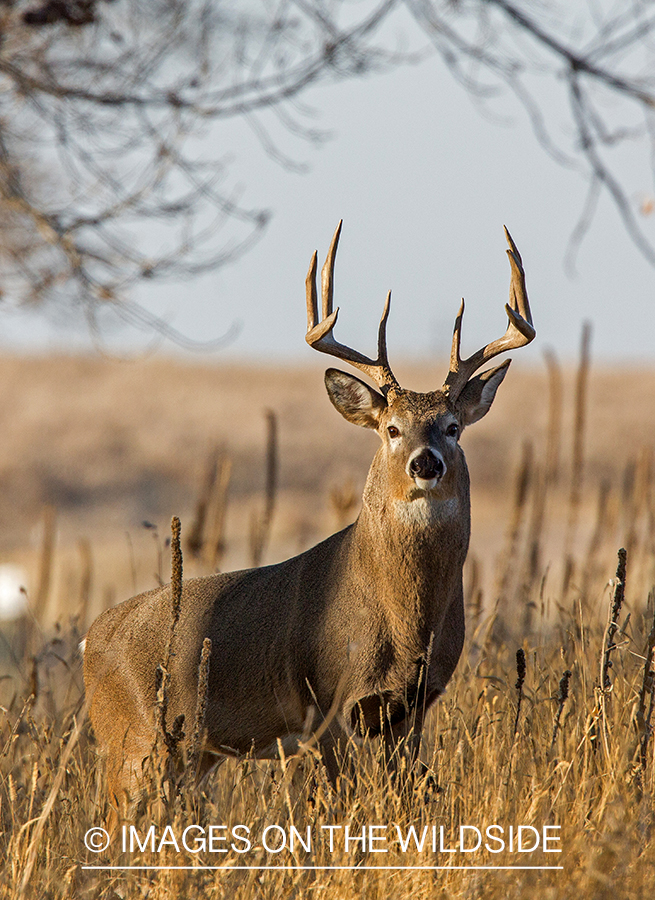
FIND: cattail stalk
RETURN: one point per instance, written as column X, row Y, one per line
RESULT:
column 613, row 624
column 647, row 694
column 520, row 672
column 562, row 696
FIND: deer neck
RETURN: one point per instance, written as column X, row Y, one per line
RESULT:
column 413, row 551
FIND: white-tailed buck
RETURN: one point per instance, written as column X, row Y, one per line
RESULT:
column 365, row 629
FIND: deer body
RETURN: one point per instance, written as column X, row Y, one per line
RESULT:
column 362, row 631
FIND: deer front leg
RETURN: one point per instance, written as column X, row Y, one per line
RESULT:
column 334, row 752
column 402, row 742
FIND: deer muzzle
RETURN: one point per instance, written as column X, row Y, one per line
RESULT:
column 426, row 467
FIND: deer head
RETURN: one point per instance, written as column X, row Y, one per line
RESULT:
column 419, row 431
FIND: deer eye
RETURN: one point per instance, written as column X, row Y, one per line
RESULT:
column 392, row 431
column 453, row 430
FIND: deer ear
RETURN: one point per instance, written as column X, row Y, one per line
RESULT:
column 478, row 394
column 355, row 400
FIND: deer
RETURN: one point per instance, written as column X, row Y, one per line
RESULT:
column 363, row 631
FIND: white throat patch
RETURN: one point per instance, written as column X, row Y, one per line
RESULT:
column 426, row 510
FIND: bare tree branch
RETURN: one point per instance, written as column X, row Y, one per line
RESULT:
column 607, row 60
column 111, row 110
column 107, row 172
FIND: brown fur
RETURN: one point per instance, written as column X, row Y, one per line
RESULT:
column 358, row 613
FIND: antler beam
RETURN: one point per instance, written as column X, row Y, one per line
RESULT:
column 520, row 329
column 319, row 334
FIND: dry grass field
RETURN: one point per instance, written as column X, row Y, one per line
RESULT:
column 93, row 448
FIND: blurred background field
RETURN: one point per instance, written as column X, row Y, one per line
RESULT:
column 98, row 446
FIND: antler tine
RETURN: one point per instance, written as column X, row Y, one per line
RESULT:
column 310, row 289
column 327, row 273
column 319, row 334
column 455, row 358
column 518, row 295
column 383, row 359
column 520, row 329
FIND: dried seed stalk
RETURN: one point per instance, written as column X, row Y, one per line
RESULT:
column 520, row 671
column 562, row 696
column 201, row 707
column 176, row 586
column 162, row 674
column 613, row 624
column 647, row 694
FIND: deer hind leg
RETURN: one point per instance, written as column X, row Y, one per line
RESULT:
column 208, row 763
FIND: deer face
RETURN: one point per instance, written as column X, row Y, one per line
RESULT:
column 419, row 436
column 419, row 432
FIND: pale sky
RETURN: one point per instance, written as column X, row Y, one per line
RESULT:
column 424, row 183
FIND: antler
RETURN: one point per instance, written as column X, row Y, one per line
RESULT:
column 520, row 330
column 319, row 334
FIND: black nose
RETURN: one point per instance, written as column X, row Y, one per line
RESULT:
column 426, row 465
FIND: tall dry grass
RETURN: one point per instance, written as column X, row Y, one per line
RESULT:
column 547, row 723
